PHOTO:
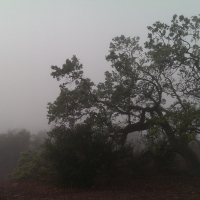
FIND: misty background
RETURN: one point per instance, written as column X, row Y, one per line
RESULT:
column 34, row 35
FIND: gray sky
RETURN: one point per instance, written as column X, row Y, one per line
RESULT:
column 35, row 34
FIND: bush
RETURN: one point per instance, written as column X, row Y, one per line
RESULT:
column 31, row 165
column 77, row 155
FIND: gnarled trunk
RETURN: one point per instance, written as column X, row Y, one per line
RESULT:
column 182, row 148
column 189, row 156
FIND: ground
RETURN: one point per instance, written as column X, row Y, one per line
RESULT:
column 163, row 186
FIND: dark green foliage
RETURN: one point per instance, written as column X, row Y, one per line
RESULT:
column 31, row 165
column 84, row 157
column 77, row 155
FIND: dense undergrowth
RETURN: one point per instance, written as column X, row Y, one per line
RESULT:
column 85, row 158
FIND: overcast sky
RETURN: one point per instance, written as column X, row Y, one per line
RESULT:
column 35, row 34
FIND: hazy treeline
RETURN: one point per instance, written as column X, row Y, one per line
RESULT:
column 12, row 143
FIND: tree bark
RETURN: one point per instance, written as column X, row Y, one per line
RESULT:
column 189, row 156
column 182, row 148
column 177, row 146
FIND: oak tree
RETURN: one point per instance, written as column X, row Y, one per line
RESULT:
column 153, row 88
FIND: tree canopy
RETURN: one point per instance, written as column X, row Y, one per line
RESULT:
column 154, row 87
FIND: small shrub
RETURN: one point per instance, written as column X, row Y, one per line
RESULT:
column 31, row 165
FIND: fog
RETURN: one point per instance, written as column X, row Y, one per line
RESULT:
column 37, row 34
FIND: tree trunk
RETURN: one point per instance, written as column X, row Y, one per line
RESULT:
column 182, row 148
column 189, row 156
column 197, row 141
